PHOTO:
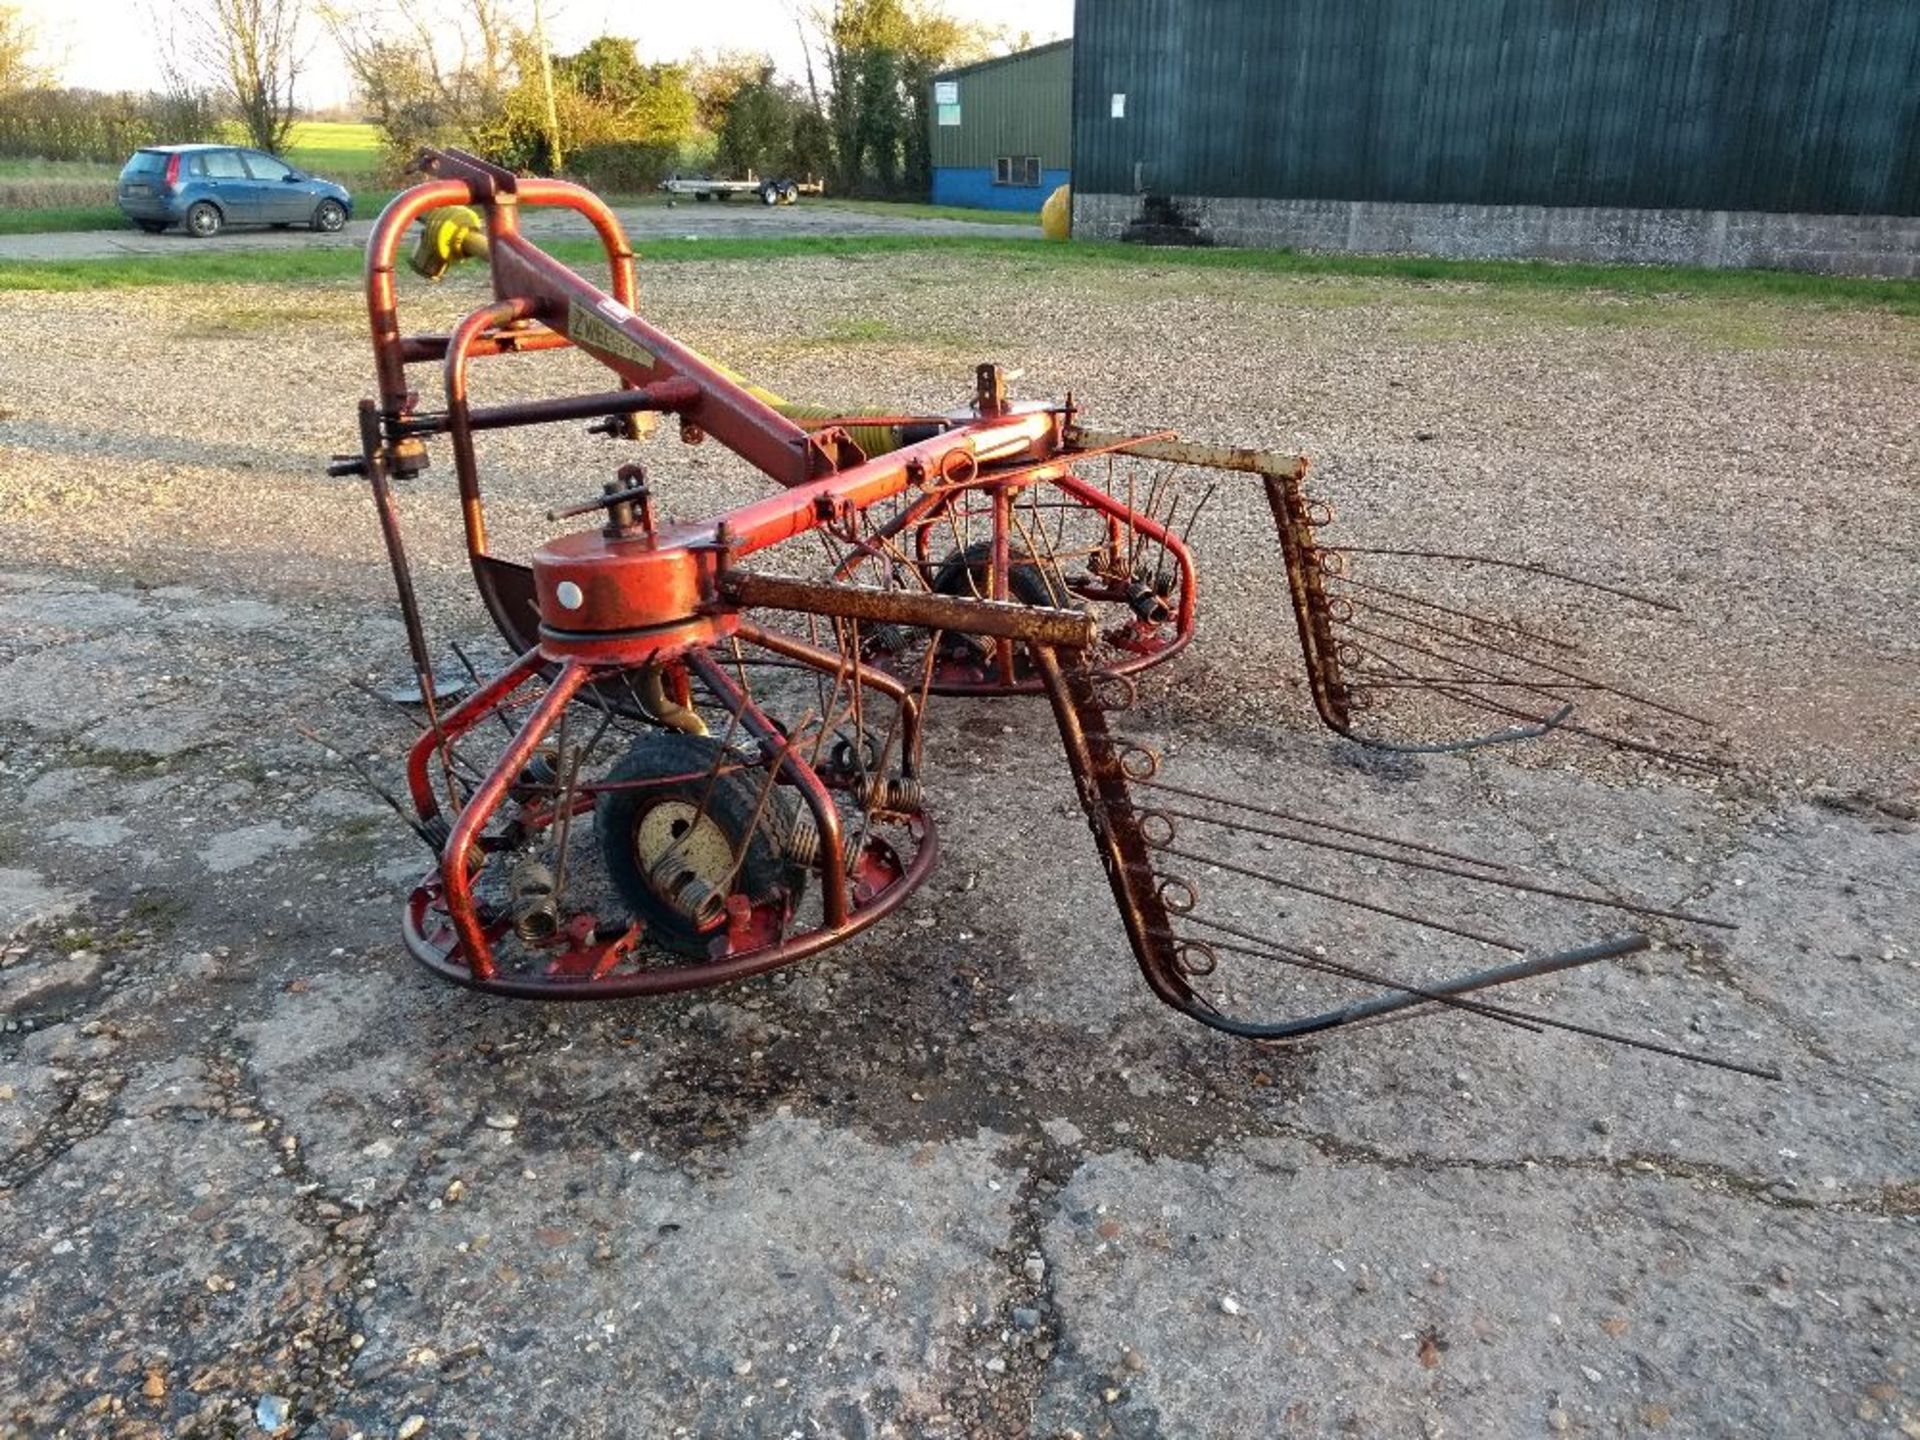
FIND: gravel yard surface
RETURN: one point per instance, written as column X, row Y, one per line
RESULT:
column 963, row 1176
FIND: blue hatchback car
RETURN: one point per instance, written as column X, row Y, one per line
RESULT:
column 206, row 188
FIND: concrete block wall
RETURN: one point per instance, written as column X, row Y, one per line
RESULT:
column 1877, row 245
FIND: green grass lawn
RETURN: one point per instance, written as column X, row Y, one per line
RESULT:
column 911, row 210
column 1574, row 283
column 49, row 219
column 54, row 219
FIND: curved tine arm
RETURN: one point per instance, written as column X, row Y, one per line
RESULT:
column 1404, row 997
column 459, row 430
column 383, row 247
column 613, row 238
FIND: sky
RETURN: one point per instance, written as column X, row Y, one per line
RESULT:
column 109, row 44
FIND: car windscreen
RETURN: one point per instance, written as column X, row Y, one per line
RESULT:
column 145, row 162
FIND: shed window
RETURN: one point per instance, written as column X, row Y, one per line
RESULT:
column 1017, row 170
column 947, row 114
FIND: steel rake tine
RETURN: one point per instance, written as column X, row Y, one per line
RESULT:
column 1528, row 887
column 1530, row 567
column 1458, row 614
column 1155, row 783
column 1320, row 964
column 1408, row 917
column 1523, row 658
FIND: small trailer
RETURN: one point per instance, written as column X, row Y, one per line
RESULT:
column 773, row 190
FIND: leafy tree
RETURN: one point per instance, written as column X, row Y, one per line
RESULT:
column 17, row 41
column 608, row 72
column 881, row 57
column 717, row 80
column 770, row 128
column 426, row 76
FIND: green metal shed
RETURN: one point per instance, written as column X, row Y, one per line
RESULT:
column 1002, row 130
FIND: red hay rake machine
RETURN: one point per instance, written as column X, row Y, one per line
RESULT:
column 699, row 767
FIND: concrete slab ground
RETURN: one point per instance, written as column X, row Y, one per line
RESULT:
column 259, row 1174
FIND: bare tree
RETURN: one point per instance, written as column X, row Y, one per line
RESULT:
column 249, row 50
column 428, row 73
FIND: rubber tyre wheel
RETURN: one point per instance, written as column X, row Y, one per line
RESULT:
column 731, row 805
column 204, row 220
column 702, row 196
column 769, row 194
column 329, row 216
column 967, row 575
column 789, row 194
column 152, row 227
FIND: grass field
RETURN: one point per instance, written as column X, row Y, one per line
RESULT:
column 1588, row 293
column 336, row 149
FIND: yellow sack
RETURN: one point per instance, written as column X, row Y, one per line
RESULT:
column 1056, row 216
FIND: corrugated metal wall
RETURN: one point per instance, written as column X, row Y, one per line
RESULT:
column 1774, row 105
column 1018, row 105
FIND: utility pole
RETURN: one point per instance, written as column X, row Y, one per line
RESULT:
column 546, row 82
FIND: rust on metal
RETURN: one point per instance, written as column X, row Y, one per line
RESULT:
column 698, row 768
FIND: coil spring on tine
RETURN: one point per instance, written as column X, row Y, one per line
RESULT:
column 1196, row 958
column 687, row 892
column 801, row 843
column 1177, row 895
column 1157, row 829
column 1115, row 693
column 897, row 794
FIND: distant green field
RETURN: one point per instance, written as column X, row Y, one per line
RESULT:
column 335, row 149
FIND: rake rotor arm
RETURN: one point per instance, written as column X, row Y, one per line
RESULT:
column 1157, row 909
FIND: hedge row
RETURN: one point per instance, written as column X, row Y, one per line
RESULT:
column 87, row 125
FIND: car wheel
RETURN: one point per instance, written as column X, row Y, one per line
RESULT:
column 329, row 215
column 769, row 194
column 152, row 227
column 204, row 220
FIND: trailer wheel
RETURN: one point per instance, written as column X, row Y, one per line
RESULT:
column 703, row 195
column 789, row 193
column 769, row 193
column 670, row 848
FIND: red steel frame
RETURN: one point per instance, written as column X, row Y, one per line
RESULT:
column 659, row 599
column 631, row 596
